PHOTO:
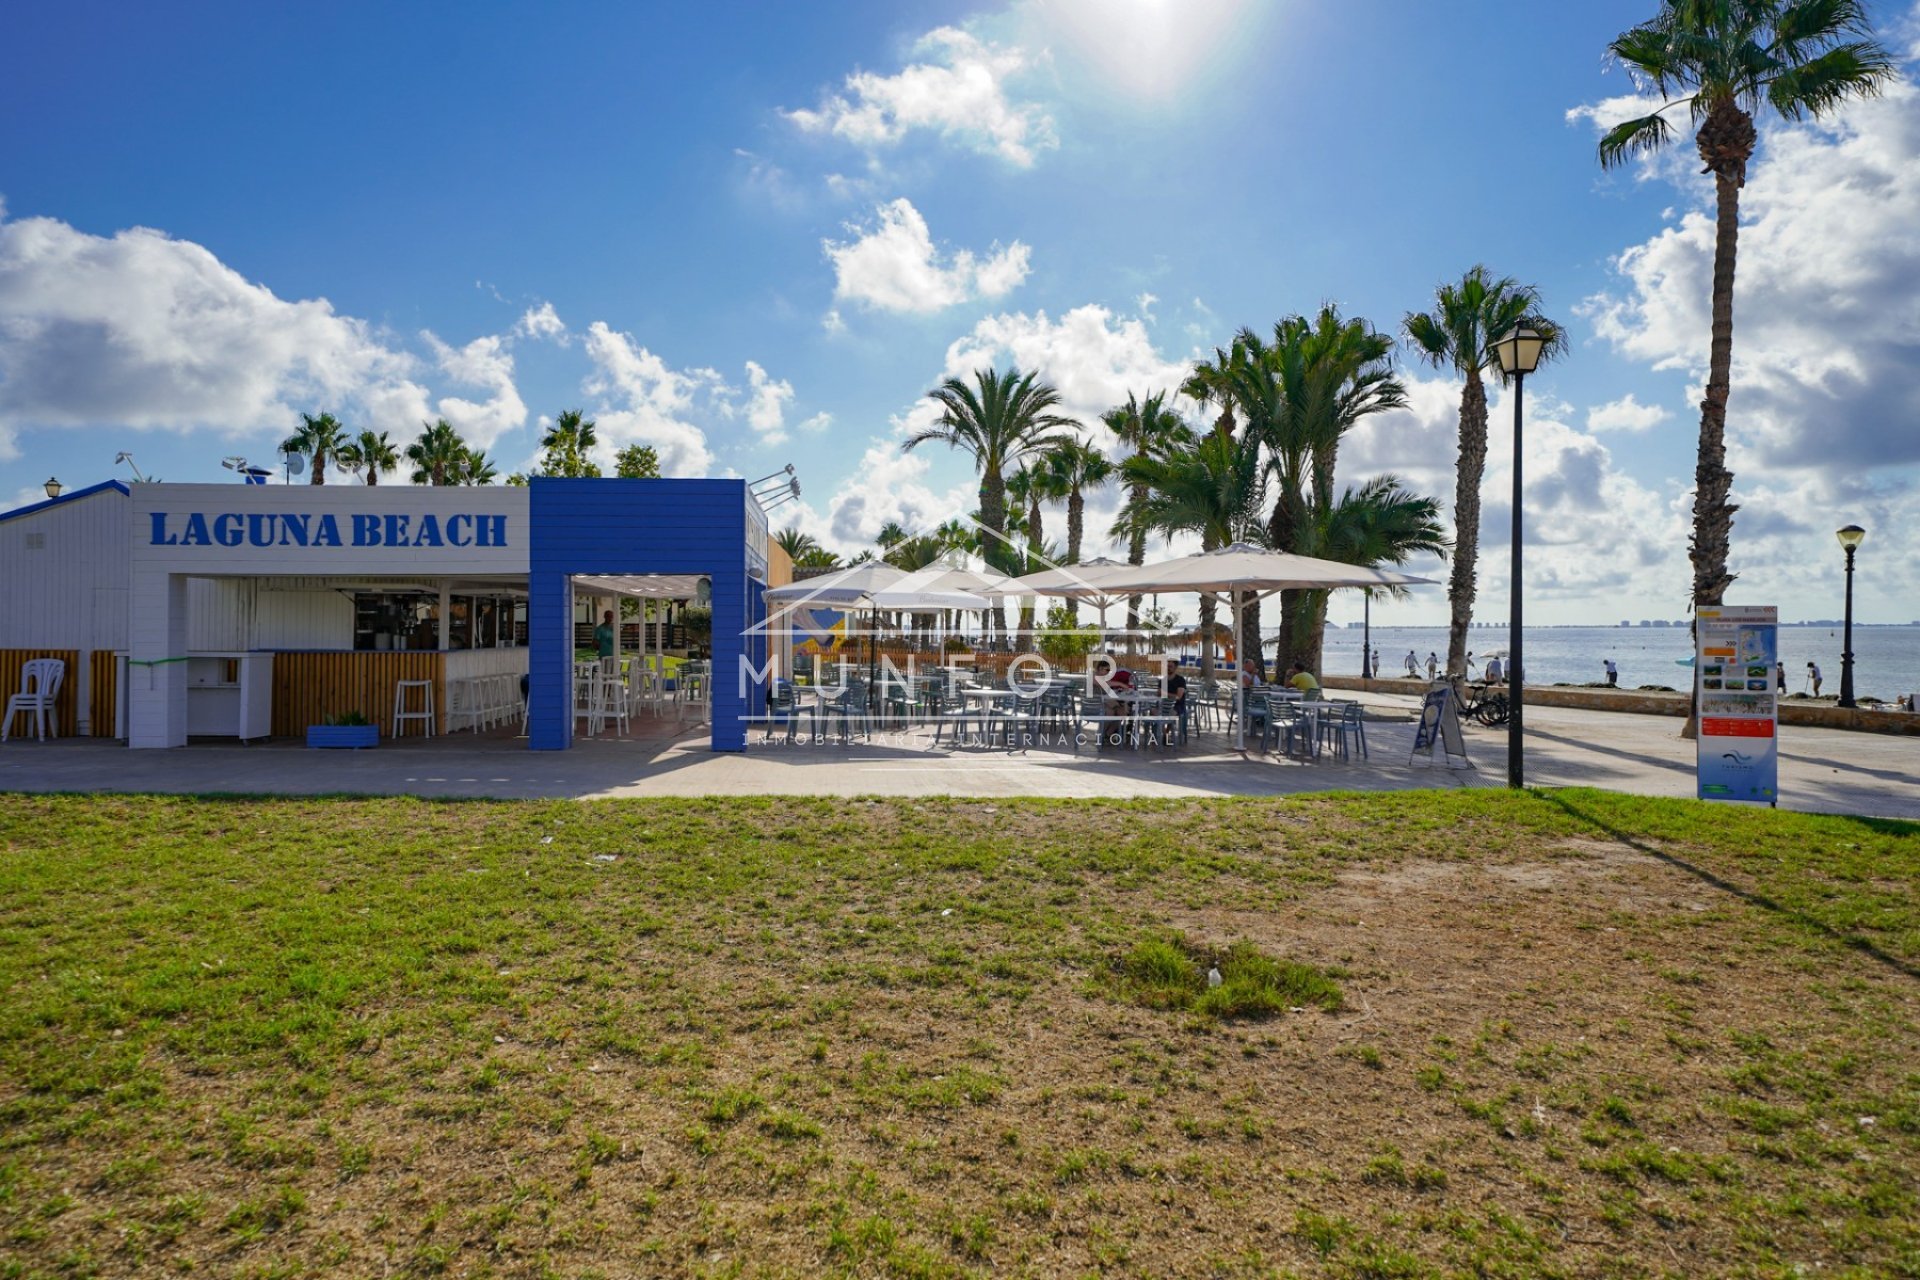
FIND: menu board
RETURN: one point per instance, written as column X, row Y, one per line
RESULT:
column 1736, row 652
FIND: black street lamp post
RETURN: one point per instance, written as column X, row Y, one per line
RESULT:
column 1518, row 351
column 1850, row 537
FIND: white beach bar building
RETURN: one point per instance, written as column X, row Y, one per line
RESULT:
column 248, row 610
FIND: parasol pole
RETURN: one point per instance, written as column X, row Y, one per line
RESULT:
column 1239, row 668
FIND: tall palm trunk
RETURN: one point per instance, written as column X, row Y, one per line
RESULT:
column 993, row 517
column 1136, row 548
column 1726, row 143
column 1209, row 614
column 1464, row 580
column 373, row 473
column 1076, row 527
column 1034, row 543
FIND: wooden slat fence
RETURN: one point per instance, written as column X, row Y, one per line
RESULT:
column 103, row 673
column 308, row 688
column 66, row 704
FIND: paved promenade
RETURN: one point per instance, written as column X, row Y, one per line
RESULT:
column 1822, row 770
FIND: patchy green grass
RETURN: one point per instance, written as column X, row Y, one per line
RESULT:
column 1456, row 1034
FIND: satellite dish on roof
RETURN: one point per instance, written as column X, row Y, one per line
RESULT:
column 296, row 463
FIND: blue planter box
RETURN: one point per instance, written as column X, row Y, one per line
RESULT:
column 343, row 735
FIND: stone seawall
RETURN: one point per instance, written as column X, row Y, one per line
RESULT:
column 1822, row 714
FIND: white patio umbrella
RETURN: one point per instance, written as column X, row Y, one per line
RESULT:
column 849, row 588
column 1087, row 580
column 877, row 585
column 1242, row 568
column 850, row 585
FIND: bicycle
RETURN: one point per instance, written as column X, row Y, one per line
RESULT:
column 1490, row 708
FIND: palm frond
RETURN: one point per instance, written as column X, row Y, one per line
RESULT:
column 1635, row 137
column 1859, row 69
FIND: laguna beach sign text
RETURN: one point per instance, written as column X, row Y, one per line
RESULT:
column 304, row 529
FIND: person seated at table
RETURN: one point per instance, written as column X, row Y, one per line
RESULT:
column 1251, row 674
column 1177, row 690
column 1302, row 679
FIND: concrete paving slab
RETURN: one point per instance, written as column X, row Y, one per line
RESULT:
column 1822, row 770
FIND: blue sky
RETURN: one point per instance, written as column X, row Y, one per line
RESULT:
column 760, row 234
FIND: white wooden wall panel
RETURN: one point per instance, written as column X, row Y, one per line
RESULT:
column 53, row 562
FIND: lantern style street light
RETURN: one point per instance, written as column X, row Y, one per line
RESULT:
column 1518, row 351
column 1850, row 537
column 53, row 487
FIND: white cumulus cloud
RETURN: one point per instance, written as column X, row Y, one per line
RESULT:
column 1826, row 300
column 139, row 329
column 541, row 322
column 1091, row 356
column 1626, row 414
column 485, row 363
column 895, row 266
column 767, row 400
column 960, row 92
column 646, row 401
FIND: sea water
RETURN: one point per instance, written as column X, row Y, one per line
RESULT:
column 1886, row 660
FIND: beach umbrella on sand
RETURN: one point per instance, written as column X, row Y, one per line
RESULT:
column 1241, row 570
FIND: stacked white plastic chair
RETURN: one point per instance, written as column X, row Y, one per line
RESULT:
column 40, row 681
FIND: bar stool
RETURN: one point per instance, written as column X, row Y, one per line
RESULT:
column 401, row 709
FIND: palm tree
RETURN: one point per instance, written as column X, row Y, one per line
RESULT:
column 1217, row 489
column 477, row 468
column 1380, row 523
column 795, row 543
column 321, row 439
column 999, row 421
column 568, row 444
column 1720, row 60
column 1299, row 397
column 1466, row 318
column 959, row 535
column 1149, row 429
column 370, row 450
column 1072, row 469
column 439, row 456
column 817, row 557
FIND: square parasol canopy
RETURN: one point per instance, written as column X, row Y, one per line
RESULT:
column 1241, row 569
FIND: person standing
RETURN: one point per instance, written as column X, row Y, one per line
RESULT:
column 1493, row 671
column 1376, row 662
column 1780, row 676
column 1413, row 665
column 1433, row 665
column 603, row 636
column 1813, row 674
column 1613, row 675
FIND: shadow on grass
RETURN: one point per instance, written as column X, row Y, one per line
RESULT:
column 1761, row 900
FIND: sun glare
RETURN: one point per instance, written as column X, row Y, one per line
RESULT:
column 1149, row 49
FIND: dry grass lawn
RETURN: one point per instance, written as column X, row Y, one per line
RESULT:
column 1570, row 1034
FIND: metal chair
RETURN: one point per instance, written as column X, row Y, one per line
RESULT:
column 968, row 722
column 1157, row 720
column 40, row 680
column 783, row 707
column 851, row 707
column 1020, row 716
column 1340, row 721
